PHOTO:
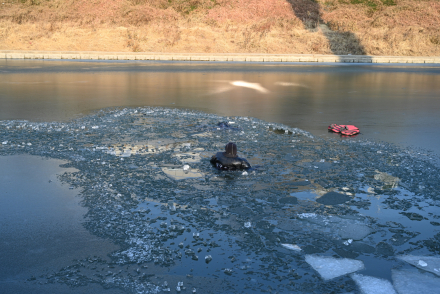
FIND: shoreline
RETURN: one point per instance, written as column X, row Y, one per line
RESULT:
column 241, row 57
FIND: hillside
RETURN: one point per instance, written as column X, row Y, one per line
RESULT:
column 371, row 27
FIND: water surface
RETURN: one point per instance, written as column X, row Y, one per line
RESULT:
column 137, row 178
column 393, row 103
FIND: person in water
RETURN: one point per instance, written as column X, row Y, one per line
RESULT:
column 229, row 160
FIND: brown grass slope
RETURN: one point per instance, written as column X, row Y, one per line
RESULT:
column 371, row 27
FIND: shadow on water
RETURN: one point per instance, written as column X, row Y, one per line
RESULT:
column 340, row 43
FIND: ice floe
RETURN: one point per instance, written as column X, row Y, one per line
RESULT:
column 188, row 157
column 330, row 267
column 415, row 282
column 426, row 263
column 372, row 285
column 182, row 173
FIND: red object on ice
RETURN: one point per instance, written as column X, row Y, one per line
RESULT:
column 347, row 130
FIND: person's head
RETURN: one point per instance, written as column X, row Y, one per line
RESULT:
column 231, row 150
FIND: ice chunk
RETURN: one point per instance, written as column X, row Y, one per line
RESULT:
column 371, row 285
column 351, row 230
column 247, row 224
column 208, row 258
column 415, row 282
column 188, row 157
column 307, row 215
column 330, row 267
column 181, row 174
column 228, row 271
column 422, row 263
column 389, row 181
column 348, row 242
column 291, row 247
column 127, row 153
column 426, row 263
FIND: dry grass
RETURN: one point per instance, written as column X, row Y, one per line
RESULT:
column 372, row 27
column 407, row 28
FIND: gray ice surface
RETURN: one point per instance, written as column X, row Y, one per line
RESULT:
column 330, row 267
column 181, row 173
column 346, row 227
column 426, row 263
column 372, row 285
column 414, row 282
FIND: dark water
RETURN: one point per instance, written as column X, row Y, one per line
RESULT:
column 125, row 215
column 41, row 224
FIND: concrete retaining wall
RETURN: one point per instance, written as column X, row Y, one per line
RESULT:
column 94, row 55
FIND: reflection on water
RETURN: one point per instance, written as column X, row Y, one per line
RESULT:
column 395, row 104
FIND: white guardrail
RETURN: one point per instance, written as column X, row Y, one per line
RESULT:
column 241, row 57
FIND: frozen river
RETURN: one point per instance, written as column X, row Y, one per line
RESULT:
column 95, row 198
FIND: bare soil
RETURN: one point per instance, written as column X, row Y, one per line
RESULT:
column 367, row 27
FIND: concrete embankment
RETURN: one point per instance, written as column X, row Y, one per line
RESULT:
column 241, row 57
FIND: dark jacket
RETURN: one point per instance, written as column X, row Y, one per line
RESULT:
column 221, row 161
